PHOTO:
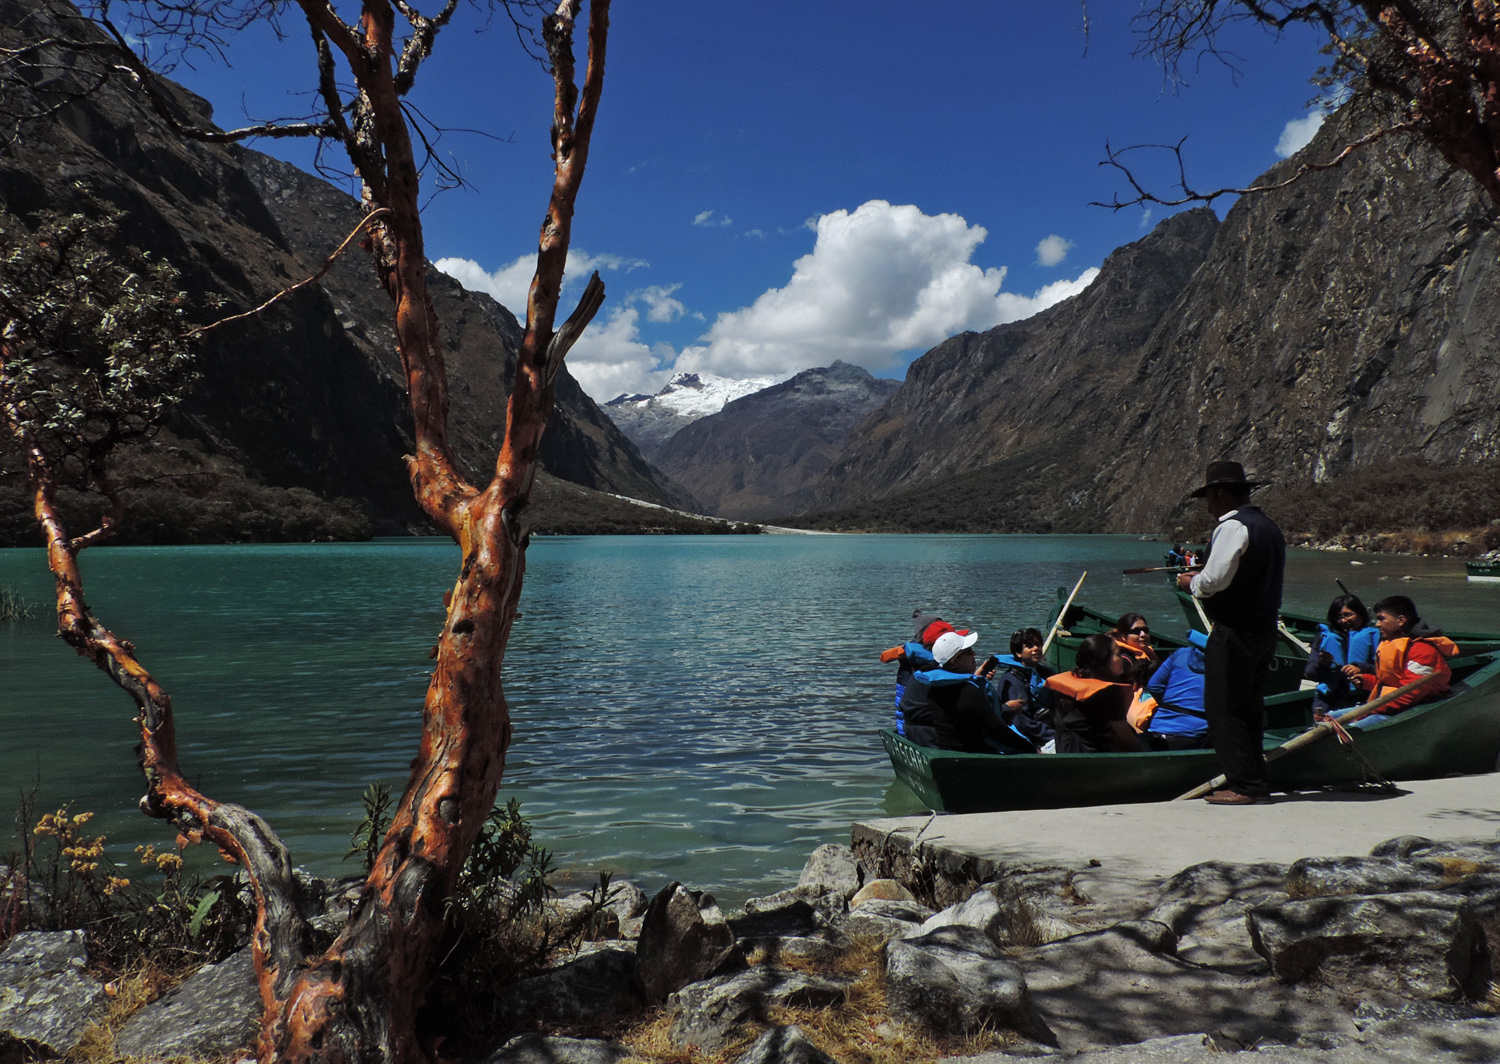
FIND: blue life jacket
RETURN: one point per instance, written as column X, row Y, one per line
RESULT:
column 1036, row 682
column 1350, row 648
column 914, row 657
column 1177, row 686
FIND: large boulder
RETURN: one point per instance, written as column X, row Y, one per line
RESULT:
column 215, row 1011
column 684, row 937
column 784, row 1045
column 596, row 986
column 47, row 999
column 788, row 912
column 955, row 980
column 710, row 1014
column 1316, row 877
column 626, row 900
column 832, row 869
column 1423, row 944
column 1216, row 890
column 540, row 1049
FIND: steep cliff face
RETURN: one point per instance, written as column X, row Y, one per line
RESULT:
column 308, row 394
column 1027, row 386
column 1338, row 325
column 759, row 456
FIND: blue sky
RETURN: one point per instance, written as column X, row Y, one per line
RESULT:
column 774, row 185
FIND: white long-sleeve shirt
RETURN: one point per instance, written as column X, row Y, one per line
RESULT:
column 1227, row 546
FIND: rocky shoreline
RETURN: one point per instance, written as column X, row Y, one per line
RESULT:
column 872, row 957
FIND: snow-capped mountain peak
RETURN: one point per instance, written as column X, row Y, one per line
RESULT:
column 651, row 420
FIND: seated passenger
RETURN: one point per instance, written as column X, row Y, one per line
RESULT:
column 914, row 655
column 1133, row 635
column 1344, row 650
column 1175, row 556
column 951, row 706
column 1020, row 684
column 1410, row 649
column 1179, row 722
column 1090, row 702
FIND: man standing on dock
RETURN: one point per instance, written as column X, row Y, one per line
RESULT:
column 1240, row 585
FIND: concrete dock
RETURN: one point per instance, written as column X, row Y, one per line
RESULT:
column 1122, row 847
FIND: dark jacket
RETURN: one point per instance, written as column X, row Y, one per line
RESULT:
column 955, row 711
column 1083, row 720
column 1016, row 680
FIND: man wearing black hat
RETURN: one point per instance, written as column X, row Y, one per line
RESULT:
column 1240, row 586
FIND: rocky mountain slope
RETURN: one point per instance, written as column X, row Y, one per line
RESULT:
column 760, row 455
column 651, row 420
column 1331, row 328
column 308, row 395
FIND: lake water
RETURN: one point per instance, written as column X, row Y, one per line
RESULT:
column 697, row 708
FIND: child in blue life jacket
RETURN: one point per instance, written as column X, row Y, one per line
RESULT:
column 1019, row 684
column 1345, row 648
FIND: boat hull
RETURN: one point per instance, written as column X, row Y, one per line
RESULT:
column 1458, row 735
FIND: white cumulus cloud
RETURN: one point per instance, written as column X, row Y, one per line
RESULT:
column 1298, row 134
column 510, row 283
column 1053, row 249
column 880, row 280
column 660, row 304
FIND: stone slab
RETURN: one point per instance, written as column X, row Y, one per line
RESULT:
column 1147, row 842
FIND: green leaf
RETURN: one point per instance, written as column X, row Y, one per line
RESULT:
column 205, row 905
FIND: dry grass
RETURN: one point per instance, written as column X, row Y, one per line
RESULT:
column 128, row 993
column 857, row 1031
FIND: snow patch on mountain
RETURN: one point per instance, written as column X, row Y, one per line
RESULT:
column 651, row 420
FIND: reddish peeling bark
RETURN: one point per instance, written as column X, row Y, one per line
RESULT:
column 359, row 1000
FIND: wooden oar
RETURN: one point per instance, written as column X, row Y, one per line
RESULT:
column 1208, row 625
column 1157, row 569
column 1299, row 644
column 1047, row 643
column 1316, row 732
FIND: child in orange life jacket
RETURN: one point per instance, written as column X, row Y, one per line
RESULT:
column 1090, row 702
column 1410, row 649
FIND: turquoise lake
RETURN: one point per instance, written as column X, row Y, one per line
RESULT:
column 693, row 708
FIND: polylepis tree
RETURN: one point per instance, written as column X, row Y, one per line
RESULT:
column 357, row 1000
column 1426, row 68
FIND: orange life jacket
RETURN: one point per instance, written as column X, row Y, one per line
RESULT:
column 1142, row 709
column 1390, row 664
column 1133, row 652
column 1077, row 688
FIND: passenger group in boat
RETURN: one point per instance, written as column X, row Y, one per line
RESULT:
column 1410, row 649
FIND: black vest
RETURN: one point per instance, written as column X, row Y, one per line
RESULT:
column 1252, row 601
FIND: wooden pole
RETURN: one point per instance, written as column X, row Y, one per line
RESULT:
column 1156, row 569
column 1299, row 644
column 1316, row 732
column 1047, row 643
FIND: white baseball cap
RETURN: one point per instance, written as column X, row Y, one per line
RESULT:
column 950, row 643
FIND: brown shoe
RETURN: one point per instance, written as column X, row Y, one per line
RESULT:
column 1227, row 797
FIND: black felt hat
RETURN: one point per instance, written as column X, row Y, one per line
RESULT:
column 1226, row 474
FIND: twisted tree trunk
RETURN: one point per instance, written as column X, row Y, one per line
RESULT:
column 359, row 1000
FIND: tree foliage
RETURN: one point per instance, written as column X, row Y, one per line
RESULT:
column 94, row 337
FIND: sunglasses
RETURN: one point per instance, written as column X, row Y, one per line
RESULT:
column 1140, row 631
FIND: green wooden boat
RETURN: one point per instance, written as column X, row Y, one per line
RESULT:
column 1483, row 572
column 1457, row 735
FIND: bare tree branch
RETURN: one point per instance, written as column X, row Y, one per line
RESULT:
column 1143, row 195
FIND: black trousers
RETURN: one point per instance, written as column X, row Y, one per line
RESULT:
column 1235, row 663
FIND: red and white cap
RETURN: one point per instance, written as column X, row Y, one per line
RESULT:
column 950, row 643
